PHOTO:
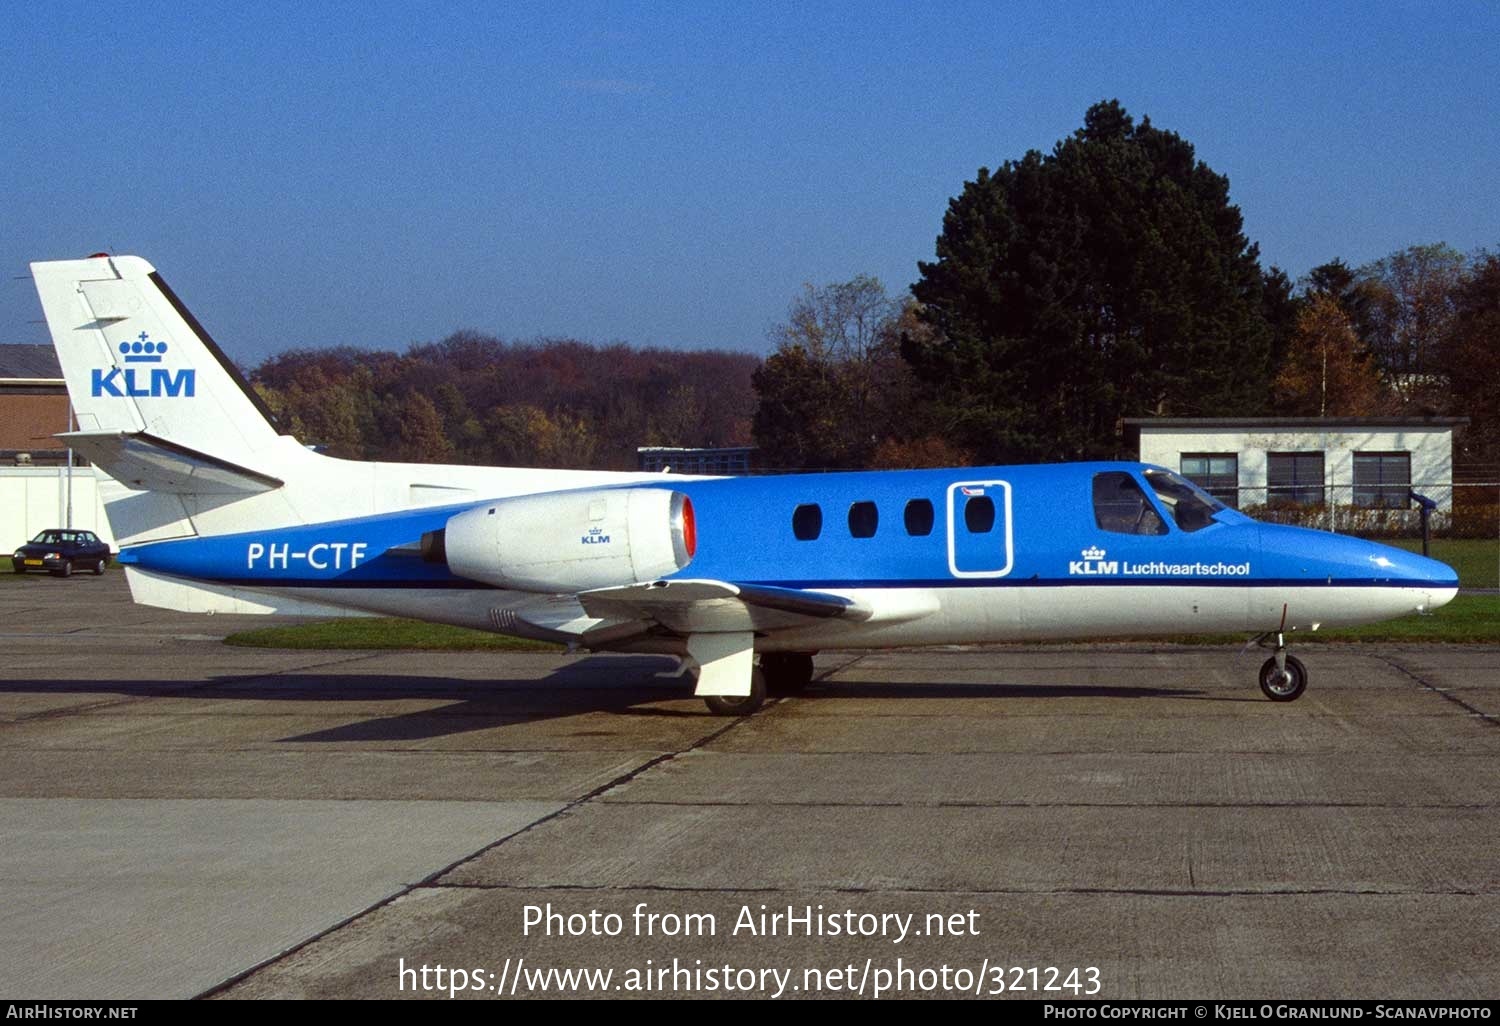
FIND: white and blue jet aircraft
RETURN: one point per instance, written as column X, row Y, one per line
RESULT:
column 745, row 579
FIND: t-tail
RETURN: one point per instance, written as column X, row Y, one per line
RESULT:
column 158, row 404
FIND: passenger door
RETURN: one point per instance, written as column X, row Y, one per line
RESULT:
column 979, row 529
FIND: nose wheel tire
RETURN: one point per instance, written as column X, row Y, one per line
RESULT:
column 1285, row 686
column 740, row 705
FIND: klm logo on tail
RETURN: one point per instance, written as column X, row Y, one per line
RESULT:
column 135, row 382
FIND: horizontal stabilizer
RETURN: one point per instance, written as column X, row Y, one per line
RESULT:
column 144, row 462
column 699, row 606
column 167, row 592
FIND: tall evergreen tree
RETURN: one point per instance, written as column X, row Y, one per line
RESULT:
column 1109, row 278
column 1472, row 360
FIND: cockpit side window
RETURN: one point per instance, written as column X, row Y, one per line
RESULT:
column 1121, row 506
column 1191, row 507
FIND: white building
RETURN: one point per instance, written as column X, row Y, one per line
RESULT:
column 1357, row 462
column 37, row 488
column 33, row 499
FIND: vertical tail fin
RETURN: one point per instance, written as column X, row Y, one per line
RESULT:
column 137, row 363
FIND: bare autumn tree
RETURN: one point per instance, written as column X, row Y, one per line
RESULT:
column 827, row 396
column 1326, row 371
column 845, row 327
column 1411, row 318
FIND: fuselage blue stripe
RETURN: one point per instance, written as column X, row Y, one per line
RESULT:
column 460, row 584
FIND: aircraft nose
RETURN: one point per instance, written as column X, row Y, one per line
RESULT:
column 1437, row 579
column 1420, row 584
column 1440, row 578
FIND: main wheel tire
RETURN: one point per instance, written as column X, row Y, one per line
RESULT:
column 1287, row 689
column 740, row 705
column 787, row 673
column 99, row 567
column 66, row 570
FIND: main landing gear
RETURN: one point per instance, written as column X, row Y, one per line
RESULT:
column 778, row 674
column 740, row 705
column 787, row 673
column 1283, row 678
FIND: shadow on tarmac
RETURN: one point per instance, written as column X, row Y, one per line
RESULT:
column 578, row 688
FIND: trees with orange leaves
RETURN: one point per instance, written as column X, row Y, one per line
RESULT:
column 1327, row 371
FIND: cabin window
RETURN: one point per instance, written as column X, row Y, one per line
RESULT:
column 863, row 519
column 979, row 514
column 1121, row 507
column 1382, row 479
column 919, row 518
column 807, row 522
column 1191, row 507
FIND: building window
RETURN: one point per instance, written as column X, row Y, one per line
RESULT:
column 1294, row 477
column 863, row 519
column 919, row 518
column 1217, row 473
column 1382, row 479
column 807, row 522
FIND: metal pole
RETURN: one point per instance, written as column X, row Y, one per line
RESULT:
column 1426, row 506
column 69, row 523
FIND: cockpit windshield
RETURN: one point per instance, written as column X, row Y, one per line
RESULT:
column 1191, row 507
column 1122, row 508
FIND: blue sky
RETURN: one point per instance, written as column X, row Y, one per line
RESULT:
column 670, row 173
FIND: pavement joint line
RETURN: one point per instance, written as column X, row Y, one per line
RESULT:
column 431, row 880
column 1162, row 892
column 1131, row 804
column 1442, row 693
column 1084, row 754
column 320, row 747
column 855, row 659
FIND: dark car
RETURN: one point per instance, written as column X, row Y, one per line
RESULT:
column 61, row 551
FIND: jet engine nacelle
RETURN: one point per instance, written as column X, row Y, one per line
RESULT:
column 572, row 541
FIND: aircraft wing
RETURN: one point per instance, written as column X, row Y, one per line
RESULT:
column 140, row 460
column 712, row 607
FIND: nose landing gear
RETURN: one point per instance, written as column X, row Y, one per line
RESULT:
column 1283, row 678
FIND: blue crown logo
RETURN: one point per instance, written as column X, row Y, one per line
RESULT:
column 143, row 350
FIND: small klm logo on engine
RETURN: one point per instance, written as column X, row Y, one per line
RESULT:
column 596, row 536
